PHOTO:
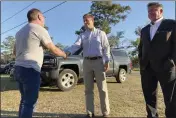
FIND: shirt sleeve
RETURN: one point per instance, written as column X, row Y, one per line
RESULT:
column 76, row 46
column 106, row 47
column 44, row 37
column 173, row 53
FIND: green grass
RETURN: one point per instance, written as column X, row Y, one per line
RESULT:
column 4, row 75
column 136, row 69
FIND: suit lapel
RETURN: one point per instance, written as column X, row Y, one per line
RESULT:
column 157, row 31
column 148, row 33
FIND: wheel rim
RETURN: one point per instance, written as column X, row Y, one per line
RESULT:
column 122, row 75
column 67, row 80
column 11, row 72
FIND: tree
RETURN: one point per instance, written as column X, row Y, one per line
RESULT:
column 138, row 31
column 135, row 44
column 114, row 39
column 134, row 53
column 106, row 15
column 7, row 48
column 59, row 45
column 82, row 29
column 8, row 44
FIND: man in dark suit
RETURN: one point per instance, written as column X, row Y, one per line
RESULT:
column 157, row 58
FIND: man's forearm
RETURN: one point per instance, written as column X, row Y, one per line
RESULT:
column 107, row 54
column 73, row 49
column 59, row 52
column 55, row 50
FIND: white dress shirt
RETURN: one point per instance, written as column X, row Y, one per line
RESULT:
column 154, row 27
column 94, row 43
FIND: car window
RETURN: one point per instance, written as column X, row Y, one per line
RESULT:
column 119, row 53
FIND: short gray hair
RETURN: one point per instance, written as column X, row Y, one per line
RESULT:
column 154, row 4
column 33, row 14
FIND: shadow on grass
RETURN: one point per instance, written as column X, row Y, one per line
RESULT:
column 8, row 84
column 113, row 82
column 54, row 88
column 14, row 114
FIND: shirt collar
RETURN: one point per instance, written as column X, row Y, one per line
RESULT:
column 157, row 22
column 91, row 30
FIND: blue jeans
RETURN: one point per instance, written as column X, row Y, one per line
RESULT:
column 29, row 84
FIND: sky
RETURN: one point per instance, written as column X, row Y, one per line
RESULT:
column 64, row 20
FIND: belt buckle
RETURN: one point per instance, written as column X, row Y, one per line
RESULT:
column 96, row 58
column 93, row 58
column 87, row 58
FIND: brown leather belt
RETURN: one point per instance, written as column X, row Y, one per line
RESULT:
column 93, row 58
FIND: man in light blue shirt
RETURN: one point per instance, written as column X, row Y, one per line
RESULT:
column 96, row 53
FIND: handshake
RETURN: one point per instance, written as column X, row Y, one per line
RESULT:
column 66, row 54
column 59, row 52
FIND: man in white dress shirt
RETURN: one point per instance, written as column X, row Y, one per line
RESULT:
column 157, row 58
column 96, row 53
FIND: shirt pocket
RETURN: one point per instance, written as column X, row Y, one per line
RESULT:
column 165, row 35
column 97, row 41
column 85, row 41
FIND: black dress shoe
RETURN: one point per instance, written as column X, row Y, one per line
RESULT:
column 90, row 116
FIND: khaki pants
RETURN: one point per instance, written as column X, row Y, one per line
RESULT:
column 95, row 68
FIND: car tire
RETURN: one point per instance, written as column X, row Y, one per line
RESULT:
column 122, row 76
column 7, row 71
column 11, row 72
column 67, row 80
column 45, row 81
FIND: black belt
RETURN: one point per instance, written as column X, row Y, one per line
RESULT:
column 93, row 58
